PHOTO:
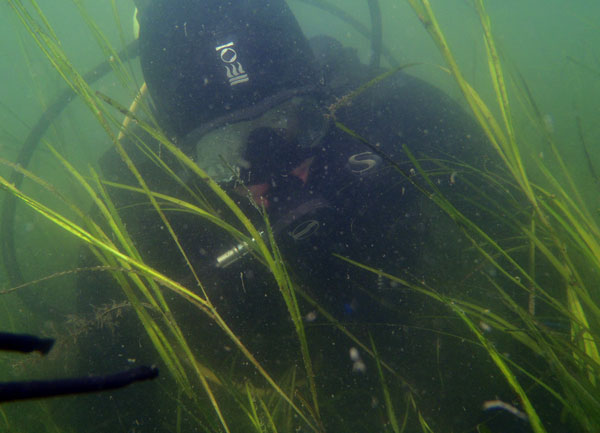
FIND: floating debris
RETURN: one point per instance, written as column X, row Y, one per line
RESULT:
column 311, row 316
column 499, row 404
column 484, row 326
column 548, row 122
column 453, row 177
column 358, row 366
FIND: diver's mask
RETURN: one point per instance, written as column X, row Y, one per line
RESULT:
column 269, row 141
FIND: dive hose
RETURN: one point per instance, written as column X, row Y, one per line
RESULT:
column 9, row 206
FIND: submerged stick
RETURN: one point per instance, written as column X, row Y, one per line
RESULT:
column 11, row 391
column 25, row 343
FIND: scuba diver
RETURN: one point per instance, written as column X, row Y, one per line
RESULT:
column 277, row 121
column 295, row 128
column 240, row 89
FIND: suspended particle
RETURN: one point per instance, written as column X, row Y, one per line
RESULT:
column 311, row 316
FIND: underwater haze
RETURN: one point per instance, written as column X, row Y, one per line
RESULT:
column 455, row 289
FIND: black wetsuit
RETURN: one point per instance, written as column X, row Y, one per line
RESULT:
column 341, row 196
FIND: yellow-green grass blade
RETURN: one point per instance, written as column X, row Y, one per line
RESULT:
column 389, row 405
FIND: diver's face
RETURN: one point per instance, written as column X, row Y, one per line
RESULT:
column 227, row 150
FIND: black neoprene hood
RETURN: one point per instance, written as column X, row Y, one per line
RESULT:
column 203, row 59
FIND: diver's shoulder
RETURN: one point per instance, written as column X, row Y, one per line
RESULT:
column 343, row 72
column 341, row 69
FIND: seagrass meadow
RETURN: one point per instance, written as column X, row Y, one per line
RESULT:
column 493, row 328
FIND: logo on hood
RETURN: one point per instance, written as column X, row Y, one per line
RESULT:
column 234, row 69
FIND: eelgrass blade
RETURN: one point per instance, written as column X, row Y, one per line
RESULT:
column 347, row 99
column 586, row 152
column 389, row 406
column 85, row 236
column 107, row 49
column 273, row 263
column 287, row 290
column 252, row 412
column 344, row 330
column 576, row 395
column 531, row 105
column 496, row 73
column 53, row 51
column 498, row 81
column 534, row 420
column 267, row 414
column 502, row 140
